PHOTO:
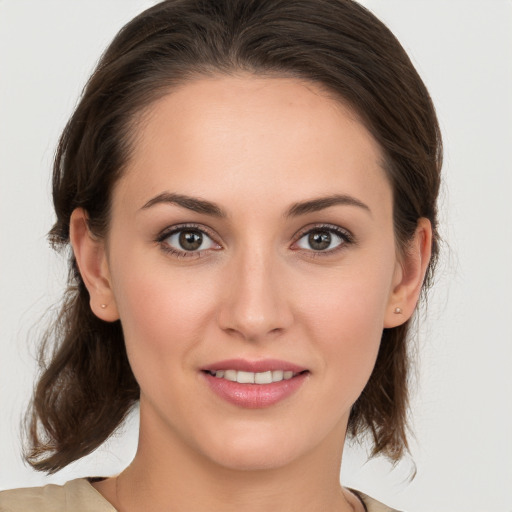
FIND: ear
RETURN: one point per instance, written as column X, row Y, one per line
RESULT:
column 92, row 262
column 409, row 276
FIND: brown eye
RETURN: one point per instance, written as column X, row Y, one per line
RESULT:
column 190, row 240
column 323, row 239
column 319, row 240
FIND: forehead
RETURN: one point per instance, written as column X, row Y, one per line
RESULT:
column 255, row 138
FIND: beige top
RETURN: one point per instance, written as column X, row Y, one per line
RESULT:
column 80, row 496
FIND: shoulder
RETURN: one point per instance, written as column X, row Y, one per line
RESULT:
column 372, row 505
column 75, row 496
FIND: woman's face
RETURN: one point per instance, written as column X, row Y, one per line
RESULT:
column 252, row 230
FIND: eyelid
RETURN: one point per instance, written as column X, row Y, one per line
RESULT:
column 171, row 230
column 343, row 232
column 347, row 237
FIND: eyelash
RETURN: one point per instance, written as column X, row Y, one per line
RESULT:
column 346, row 239
column 164, row 235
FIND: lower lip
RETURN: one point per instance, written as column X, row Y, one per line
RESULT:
column 254, row 396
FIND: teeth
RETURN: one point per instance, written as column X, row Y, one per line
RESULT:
column 230, row 375
column 263, row 378
column 245, row 377
column 277, row 375
column 252, row 377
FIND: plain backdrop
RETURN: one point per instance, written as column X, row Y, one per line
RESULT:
column 462, row 406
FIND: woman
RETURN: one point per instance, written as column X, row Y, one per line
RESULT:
column 249, row 190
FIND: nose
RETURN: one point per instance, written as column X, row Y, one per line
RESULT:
column 256, row 304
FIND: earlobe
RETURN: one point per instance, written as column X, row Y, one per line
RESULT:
column 92, row 263
column 409, row 276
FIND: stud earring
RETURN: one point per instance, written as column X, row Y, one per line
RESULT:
column 398, row 311
column 103, row 306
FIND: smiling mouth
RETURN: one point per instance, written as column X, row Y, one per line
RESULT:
column 243, row 377
column 254, row 384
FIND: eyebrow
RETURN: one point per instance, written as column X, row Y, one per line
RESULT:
column 315, row 205
column 209, row 208
column 188, row 202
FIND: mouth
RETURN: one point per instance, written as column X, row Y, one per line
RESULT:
column 256, row 384
column 244, row 377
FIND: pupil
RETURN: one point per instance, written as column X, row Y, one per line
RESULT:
column 320, row 240
column 191, row 240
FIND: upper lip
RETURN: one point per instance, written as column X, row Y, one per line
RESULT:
column 262, row 365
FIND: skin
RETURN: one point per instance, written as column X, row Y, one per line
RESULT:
column 255, row 147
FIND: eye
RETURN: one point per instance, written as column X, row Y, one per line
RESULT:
column 187, row 241
column 323, row 239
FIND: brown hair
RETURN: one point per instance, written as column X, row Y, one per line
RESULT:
column 87, row 387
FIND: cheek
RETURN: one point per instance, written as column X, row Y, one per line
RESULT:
column 346, row 321
column 348, row 303
column 163, row 314
column 350, row 324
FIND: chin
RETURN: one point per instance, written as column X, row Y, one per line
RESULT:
column 260, row 451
